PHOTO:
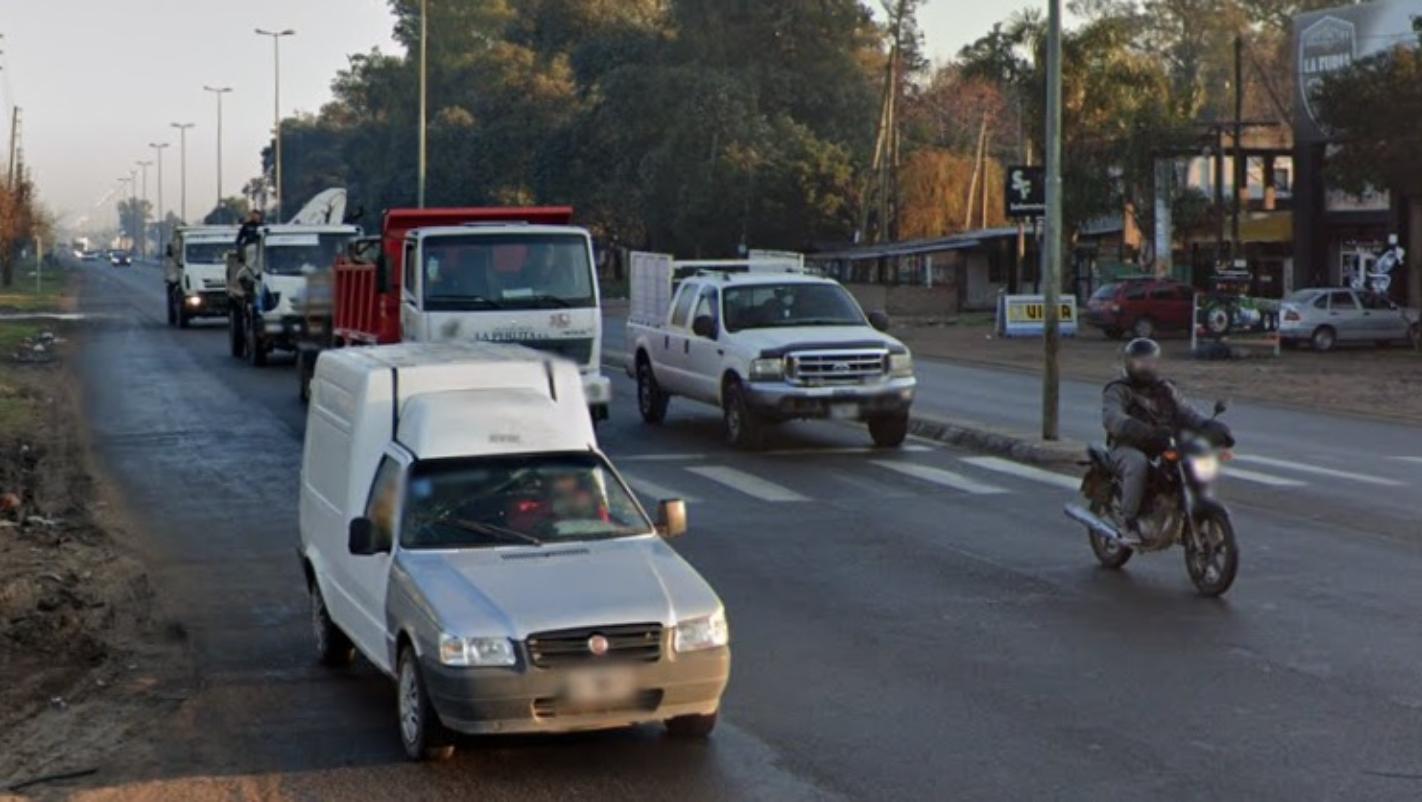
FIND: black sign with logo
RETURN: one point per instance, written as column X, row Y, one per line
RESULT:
column 1026, row 192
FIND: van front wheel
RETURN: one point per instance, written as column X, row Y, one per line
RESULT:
column 421, row 732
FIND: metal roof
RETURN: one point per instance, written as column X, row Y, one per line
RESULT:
column 956, row 242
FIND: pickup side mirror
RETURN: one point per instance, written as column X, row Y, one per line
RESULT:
column 363, row 538
column 671, row 518
column 704, row 326
column 1220, row 407
column 879, row 319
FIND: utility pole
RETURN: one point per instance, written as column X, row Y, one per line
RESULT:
column 143, row 212
column 183, row 166
column 14, row 141
column 276, row 114
column 1052, row 246
column 158, row 149
column 1241, row 175
column 218, row 92
column 424, row 93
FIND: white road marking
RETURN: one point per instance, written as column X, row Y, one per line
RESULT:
column 1417, row 460
column 812, row 451
column 747, row 483
column 938, row 476
column 1261, row 478
column 656, row 491
column 1017, row 469
column 659, row 457
column 1314, row 469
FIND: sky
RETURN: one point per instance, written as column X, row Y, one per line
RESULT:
column 99, row 80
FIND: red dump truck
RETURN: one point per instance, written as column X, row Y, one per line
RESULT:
column 520, row 275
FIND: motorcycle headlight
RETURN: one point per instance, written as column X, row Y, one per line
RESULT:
column 764, row 370
column 901, row 366
column 477, row 652
column 702, row 633
column 1205, row 468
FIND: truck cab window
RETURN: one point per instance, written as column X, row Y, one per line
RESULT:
column 706, row 305
column 410, row 288
column 384, row 501
column 471, row 272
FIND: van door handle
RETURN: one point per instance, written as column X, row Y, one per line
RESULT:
column 686, row 346
column 666, row 343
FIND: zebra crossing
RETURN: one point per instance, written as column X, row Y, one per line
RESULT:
column 769, row 477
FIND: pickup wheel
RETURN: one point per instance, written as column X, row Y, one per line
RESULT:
column 743, row 428
column 333, row 648
column 691, row 726
column 236, row 334
column 889, row 431
column 651, row 401
column 421, row 732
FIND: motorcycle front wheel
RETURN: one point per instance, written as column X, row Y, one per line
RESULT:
column 1212, row 558
column 1110, row 553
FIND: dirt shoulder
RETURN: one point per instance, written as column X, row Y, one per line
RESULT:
column 1373, row 382
column 85, row 661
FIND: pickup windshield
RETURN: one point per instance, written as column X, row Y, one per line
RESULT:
column 528, row 499
column 207, row 253
column 765, row 306
column 294, row 254
column 507, row 271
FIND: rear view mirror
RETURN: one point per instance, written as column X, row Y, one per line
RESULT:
column 704, row 326
column 363, row 538
column 671, row 518
column 1220, row 407
column 879, row 320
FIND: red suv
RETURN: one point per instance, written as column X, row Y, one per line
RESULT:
column 1141, row 306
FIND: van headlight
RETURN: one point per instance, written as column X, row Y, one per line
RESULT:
column 477, row 652
column 1205, row 468
column 767, row 370
column 698, row 634
column 901, row 366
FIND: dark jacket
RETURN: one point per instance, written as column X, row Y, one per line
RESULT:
column 249, row 232
column 1132, row 412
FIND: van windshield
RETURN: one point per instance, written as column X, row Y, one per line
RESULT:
column 528, row 499
column 207, row 253
column 507, row 271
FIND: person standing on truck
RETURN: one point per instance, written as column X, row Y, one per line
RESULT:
column 250, row 230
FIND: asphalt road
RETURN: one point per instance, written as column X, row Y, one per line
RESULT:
column 920, row 624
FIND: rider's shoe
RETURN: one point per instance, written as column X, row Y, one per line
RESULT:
column 1131, row 533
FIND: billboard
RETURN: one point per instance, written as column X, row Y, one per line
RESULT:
column 1026, row 316
column 1333, row 38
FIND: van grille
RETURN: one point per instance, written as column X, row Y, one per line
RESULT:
column 565, row 647
column 552, row 707
column 837, row 367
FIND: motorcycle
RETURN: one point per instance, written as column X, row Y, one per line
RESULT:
column 1179, row 508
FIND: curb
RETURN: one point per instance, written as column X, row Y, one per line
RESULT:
column 971, row 435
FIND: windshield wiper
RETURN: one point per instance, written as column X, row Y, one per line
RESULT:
column 549, row 300
column 461, row 299
column 493, row 530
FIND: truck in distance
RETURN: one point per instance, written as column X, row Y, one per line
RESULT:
column 507, row 274
column 765, row 342
column 462, row 530
column 195, row 273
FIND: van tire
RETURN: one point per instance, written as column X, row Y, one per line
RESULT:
column 333, row 648
column 421, row 732
column 889, row 431
column 651, row 400
column 691, row 726
column 744, row 429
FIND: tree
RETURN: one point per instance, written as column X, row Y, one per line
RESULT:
column 232, row 211
column 134, row 214
column 22, row 220
column 1361, row 106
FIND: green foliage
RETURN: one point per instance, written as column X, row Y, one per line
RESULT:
column 232, row 211
column 1370, row 108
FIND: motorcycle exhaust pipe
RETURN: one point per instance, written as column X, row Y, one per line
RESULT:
column 1083, row 516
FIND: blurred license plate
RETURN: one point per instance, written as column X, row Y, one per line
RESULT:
column 844, row 411
column 600, row 685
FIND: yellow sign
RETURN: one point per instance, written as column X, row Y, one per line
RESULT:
column 1018, row 312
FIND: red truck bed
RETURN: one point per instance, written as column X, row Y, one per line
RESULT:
column 364, row 314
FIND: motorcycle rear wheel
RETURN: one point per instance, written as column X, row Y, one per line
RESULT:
column 1212, row 568
column 1110, row 554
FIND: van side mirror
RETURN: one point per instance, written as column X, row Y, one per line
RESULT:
column 671, row 518
column 363, row 539
column 1220, row 407
column 879, row 320
column 704, row 326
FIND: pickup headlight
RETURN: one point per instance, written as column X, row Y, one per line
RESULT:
column 698, row 634
column 767, row 370
column 478, row 652
column 901, row 366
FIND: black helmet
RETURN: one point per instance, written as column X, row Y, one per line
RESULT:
column 1142, row 358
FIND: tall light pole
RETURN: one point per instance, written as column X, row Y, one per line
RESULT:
column 158, row 148
column 183, row 166
column 1052, row 246
column 424, row 93
column 218, row 92
column 143, row 216
column 276, row 115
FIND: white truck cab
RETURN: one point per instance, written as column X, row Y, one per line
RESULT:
column 462, row 530
column 532, row 285
column 765, row 342
column 195, row 273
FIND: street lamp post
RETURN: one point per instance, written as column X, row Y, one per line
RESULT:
column 158, row 148
column 276, row 113
column 1052, row 246
column 183, row 167
column 218, row 92
column 424, row 94
column 143, row 212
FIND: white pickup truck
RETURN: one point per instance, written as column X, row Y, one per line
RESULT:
column 766, row 343
column 462, row 530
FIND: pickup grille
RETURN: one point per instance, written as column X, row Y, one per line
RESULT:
column 578, row 349
column 837, row 367
column 566, row 647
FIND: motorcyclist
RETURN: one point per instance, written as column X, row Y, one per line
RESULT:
column 1142, row 412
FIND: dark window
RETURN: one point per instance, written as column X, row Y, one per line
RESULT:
column 1321, row 302
column 1135, row 292
column 1105, row 292
column 384, row 500
column 706, row 304
column 410, row 267
column 1372, row 300
column 1342, row 302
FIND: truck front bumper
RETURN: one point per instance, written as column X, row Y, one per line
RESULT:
column 525, row 699
column 208, row 303
column 598, row 390
column 859, row 402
